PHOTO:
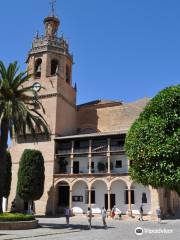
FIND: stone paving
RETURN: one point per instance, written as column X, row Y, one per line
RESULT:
column 55, row 228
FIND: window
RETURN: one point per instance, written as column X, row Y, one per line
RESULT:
column 99, row 145
column 81, row 144
column 93, row 196
column 144, row 198
column 68, row 75
column 126, row 197
column 118, row 164
column 54, row 67
column 38, row 68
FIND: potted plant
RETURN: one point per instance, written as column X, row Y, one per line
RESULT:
column 101, row 166
column 62, row 165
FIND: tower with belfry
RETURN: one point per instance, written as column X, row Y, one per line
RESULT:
column 85, row 160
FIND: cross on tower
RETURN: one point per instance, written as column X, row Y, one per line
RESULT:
column 52, row 4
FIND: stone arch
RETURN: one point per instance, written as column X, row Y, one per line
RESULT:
column 57, row 182
column 118, row 188
column 80, row 192
column 98, row 179
column 99, row 193
column 62, row 188
column 80, row 180
column 119, row 179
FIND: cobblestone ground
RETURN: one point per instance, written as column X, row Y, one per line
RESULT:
column 55, row 228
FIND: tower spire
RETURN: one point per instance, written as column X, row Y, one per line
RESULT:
column 52, row 4
column 51, row 22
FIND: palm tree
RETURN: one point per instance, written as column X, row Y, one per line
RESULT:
column 18, row 114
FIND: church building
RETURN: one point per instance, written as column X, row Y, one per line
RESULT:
column 85, row 160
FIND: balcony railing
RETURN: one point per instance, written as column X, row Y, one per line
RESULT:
column 81, row 150
column 93, row 171
column 63, row 151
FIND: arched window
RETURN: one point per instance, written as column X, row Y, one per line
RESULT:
column 144, row 198
column 68, row 74
column 54, row 67
column 38, row 68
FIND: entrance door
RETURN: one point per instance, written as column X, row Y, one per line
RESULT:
column 112, row 200
column 63, row 196
column 75, row 167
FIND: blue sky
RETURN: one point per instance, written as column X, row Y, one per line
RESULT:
column 123, row 49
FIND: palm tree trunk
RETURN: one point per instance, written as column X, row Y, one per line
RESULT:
column 3, row 148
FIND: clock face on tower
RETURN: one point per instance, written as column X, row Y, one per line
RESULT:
column 36, row 86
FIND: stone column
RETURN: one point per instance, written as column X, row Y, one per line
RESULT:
column 90, row 156
column 72, row 159
column 109, row 162
column 109, row 201
column 89, row 163
column 109, row 156
column 72, row 156
column 129, row 203
column 70, row 198
column 109, row 142
column 89, row 192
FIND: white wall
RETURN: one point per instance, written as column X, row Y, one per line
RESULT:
column 100, row 191
column 118, row 188
column 83, row 164
column 138, row 190
column 79, row 190
column 124, row 160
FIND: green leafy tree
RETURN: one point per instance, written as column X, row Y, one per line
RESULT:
column 153, row 142
column 31, row 177
column 8, row 175
column 18, row 114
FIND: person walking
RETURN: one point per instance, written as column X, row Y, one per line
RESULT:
column 158, row 213
column 104, row 215
column 141, row 213
column 113, row 212
column 89, row 216
column 67, row 215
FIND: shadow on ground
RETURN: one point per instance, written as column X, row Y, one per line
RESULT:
column 175, row 216
column 71, row 226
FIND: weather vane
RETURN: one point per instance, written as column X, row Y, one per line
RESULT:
column 52, row 4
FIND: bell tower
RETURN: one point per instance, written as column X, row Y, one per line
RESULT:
column 50, row 62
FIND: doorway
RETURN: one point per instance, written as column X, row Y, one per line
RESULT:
column 112, row 201
column 75, row 167
column 63, row 196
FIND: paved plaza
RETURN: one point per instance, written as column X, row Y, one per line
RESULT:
column 55, row 228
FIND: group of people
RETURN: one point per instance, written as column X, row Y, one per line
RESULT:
column 103, row 215
column 68, row 213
